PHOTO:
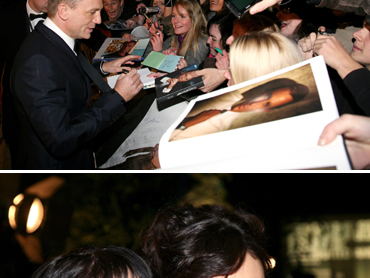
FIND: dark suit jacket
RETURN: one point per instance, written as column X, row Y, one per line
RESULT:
column 51, row 93
column 14, row 28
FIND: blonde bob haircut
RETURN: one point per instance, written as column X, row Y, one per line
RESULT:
column 260, row 53
column 196, row 34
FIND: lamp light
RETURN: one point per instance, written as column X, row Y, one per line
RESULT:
column 26, row 214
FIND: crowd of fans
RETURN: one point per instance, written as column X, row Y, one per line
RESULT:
column 272, row 35
column 207, row 30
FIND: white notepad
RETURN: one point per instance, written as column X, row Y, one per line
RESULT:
column 148, row 82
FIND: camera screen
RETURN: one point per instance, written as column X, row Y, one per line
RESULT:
column 242, row 4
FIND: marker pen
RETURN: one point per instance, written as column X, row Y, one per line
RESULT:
column 219, row 51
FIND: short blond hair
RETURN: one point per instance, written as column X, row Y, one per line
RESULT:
column 260, row 53
column 53, row 5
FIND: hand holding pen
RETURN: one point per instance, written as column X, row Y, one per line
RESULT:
column 222, row 59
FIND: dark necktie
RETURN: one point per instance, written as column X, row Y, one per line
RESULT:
column 91, row 71
column 34, row 16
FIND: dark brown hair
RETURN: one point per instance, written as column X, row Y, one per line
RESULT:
column 98, row 262
column 187, row 242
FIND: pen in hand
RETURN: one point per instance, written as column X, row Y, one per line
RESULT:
column 124, row 71
column 219, row 51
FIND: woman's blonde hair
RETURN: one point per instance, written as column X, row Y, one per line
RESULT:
column 260, row 53
column 196, row 34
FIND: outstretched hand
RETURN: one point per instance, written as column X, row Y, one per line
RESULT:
column 117, row 65
column 263, row 5
column 212, row 78
column 356, row 131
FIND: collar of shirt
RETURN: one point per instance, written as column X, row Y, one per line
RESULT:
column 67, row 39
column 30, row 11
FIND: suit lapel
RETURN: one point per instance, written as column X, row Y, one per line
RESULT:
column 62, row 46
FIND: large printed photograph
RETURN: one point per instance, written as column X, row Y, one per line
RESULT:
column 287, row 95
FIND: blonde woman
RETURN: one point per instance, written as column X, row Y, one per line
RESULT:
column 266, row 51
column 190, row 38
column 251, row 56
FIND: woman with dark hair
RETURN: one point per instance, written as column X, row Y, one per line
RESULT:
column 204, row 242
column 102, row 262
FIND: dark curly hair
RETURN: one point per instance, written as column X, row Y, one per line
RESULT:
column 98, row 262
column 211, row 240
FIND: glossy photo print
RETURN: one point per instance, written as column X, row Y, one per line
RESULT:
column 287, row 95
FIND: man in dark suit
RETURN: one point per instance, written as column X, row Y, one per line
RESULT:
column 15, row 25
column 51, row 90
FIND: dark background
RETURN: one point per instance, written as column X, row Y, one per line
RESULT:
column 113, row 208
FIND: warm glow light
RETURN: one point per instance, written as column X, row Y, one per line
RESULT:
column 11, row 216
column 35, row 216
column 17, row 199
column 272, row 262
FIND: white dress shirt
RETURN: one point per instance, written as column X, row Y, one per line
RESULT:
column 68, row 40
column 36, row 20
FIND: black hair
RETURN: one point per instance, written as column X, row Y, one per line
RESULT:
column 98, row 262
column 211, row 240
column 225, row 25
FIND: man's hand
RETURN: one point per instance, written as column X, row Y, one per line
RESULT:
column 128, row 85
column 116, row 65
column 356, row 131
column 212, row 78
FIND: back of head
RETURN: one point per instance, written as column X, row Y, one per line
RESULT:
column 252, row 23
column 186, row 242
column 53, row 5
column 98, row 262
column 260, row 53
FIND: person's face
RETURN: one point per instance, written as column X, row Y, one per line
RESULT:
column 216, row 5
column 251, row 268
column 112, row 7
column 267, row 101
column 128, row 47
column 81, row 21
column 180, row 21
column 361, row 47
column 214, row 39
column 160, row 4
column 229, row 77
column 288, row 22
column 185, row 77
column 39, row 6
